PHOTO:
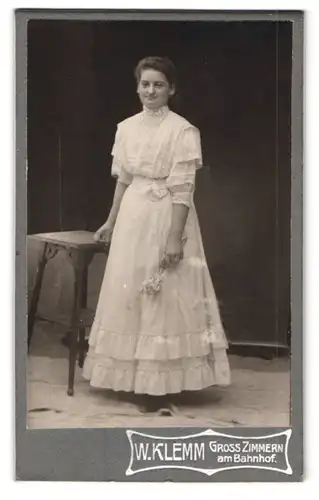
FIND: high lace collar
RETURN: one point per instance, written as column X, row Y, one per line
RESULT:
column 158, row 113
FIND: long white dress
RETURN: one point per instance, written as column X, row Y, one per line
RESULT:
column 171, row 340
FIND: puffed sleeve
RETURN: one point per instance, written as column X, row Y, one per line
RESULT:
column 118, row 169
column 187, row 159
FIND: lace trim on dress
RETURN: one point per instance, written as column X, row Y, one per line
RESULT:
column 156, row 377
column 127, row 346
column 160, row 112
column 153, row 117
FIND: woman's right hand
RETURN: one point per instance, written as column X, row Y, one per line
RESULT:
column 104, row 233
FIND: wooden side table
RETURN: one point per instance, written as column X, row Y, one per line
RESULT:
column 80, row 249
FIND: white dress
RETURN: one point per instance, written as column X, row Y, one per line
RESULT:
column 173, row 339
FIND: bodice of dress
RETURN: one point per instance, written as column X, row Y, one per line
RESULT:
column 157, row 145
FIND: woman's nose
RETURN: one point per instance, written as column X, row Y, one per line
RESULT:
column 151, row 89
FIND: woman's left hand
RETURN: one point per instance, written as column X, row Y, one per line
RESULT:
column 173, row 251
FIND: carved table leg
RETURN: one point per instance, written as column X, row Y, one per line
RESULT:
column 49, row 251
column 78, row 264
column 66, row 340
column 83, row 306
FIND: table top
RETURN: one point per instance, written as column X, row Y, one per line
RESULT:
column 71, row 239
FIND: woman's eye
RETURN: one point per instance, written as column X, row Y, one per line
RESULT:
column 158, row 85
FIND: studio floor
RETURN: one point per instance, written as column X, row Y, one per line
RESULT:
column 258, row 396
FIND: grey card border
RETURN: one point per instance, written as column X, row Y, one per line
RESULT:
column 103, row 454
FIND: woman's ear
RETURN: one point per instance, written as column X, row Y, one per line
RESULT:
column 172, row 90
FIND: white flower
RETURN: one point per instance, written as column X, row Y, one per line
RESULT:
column 153, row 284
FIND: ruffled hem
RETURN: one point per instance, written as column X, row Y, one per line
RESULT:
column 158, row 378
column 156, row 347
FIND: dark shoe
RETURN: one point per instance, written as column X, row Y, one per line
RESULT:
column 156, row 404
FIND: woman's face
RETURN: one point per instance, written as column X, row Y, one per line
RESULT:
column 154, row 89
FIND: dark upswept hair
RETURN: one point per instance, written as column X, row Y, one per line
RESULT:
column 161, row 64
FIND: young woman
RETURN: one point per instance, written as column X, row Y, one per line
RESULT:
column 157, row 328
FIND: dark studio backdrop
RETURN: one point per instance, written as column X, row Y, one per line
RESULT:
column 235, row 86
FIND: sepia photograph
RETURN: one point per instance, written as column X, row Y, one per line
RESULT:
column 158, row 223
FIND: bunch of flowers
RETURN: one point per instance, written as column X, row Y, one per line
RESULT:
column 153, row 284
